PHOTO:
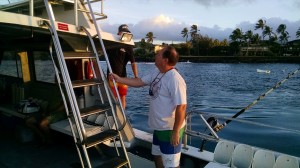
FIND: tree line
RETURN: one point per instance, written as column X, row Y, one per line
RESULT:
column 242, row 43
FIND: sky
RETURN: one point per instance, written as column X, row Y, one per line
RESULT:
column 214, row 18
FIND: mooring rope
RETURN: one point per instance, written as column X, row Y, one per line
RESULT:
column 221, row 126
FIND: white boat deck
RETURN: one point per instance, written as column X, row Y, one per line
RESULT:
column 139, row 162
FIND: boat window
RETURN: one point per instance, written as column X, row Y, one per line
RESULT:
column 16, row 6
column 11, row 65
column 44, row 69
column 10, row 2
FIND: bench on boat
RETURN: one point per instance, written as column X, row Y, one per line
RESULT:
column 226, row 154
column 46, row 92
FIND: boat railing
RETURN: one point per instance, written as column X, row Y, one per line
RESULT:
column 34, row 8
column 189, row 132
column 212, row 123
column 22, row 6
column 6, row 3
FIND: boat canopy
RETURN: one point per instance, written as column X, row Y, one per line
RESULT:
column 21, row 25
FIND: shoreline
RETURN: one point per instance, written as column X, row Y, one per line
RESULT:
column 232, row 59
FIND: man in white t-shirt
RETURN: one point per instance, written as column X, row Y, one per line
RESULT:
column 167, row 106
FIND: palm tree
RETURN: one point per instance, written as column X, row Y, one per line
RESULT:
column 273, row 37
column 298, row 33
column 150, row 37
column 281, row 28
column 185, row 33
column 255, row 40
column 237, row 35
column 195, row 37
column 283, row 38
column 260, row 24
column 236, row 38
column 194, row 31
column 267, row 32
column 283, row 34
column 248, row 38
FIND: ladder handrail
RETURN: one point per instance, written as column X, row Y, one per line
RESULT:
column 66, row 76
column 107, row 61
column 101, row 72
column 67, row 82
column 115, row 86
column 84, row 140
column 64, row 98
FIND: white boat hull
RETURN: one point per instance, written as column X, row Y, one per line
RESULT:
column 263, row 71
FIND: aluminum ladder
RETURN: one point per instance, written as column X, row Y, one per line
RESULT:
column 76, row 115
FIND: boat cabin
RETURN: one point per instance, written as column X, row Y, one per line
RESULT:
column 50, row 52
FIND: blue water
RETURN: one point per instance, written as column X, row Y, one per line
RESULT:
column 225, row 89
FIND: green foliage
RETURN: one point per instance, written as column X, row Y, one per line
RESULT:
column 240, row 44
column 140, row 53
column 150, row 37
column 298, row 33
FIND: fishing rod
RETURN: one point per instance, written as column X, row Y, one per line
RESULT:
column 217, row 127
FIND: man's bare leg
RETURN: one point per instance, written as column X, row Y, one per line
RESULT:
column 158, row 162
column 31, row 123
column 123, row 100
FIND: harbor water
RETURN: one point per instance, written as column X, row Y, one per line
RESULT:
column 225, row 89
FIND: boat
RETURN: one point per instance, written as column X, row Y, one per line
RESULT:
column 55, row 30
column 263, row 71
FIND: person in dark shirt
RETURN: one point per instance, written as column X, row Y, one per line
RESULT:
column 118, row 58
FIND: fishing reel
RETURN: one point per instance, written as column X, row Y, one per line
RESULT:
column 214, row 124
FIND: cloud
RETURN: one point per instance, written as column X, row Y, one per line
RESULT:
column 297, row 4
column 163, row 27
column 166, row 28
column 209, row 3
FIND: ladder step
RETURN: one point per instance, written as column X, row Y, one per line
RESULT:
column 103, row 17
column 78, row 55
column 114, row 162
column 94, row 110
column 101, row 137
column 87, row 82
column 69, row 1
column 61, row 1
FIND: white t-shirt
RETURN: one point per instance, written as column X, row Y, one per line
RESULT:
column 169, row 90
